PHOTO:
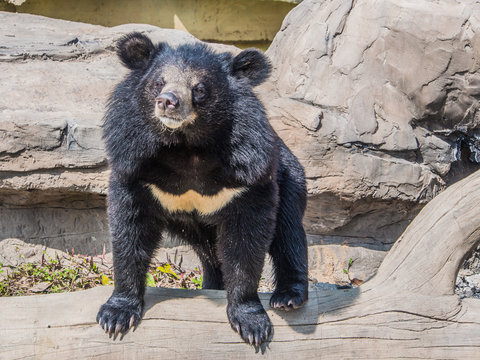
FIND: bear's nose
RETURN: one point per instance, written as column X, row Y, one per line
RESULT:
column 167, row 100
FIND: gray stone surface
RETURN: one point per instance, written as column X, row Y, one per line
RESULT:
column 380, row 103
column 56, row 77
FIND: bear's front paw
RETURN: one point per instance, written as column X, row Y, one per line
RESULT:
column 290, row 298
column 251, row 321
column 119, row 314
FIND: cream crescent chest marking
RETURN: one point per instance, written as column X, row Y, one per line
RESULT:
column 192, row 200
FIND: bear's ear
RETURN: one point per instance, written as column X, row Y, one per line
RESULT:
column 134, row 50
column 251, row 64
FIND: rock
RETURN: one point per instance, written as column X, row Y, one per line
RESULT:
column 328, row 260
column 15, row 252
column 40, row 287
column 380, row 103
column 56, row 79
column 473, row 280
column 468, row 279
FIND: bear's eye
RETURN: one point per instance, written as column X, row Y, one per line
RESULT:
column 159, row 84
column 199, row 92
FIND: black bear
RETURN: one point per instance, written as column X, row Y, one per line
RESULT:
column 192, row 153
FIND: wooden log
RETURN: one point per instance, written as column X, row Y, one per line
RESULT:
column 408, row 310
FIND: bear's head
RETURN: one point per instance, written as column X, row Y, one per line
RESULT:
column 190, row 86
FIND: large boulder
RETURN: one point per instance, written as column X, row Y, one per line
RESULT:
column 379, row 100
column 56, row 77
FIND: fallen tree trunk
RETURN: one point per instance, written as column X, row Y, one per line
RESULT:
column 408, row 310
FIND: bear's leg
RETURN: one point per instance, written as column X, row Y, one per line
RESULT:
column 203, row 241
column 135, row 233
column 212, row 276
column 244, row 239
column 206, row 249
column 211, row 267
column 289, row 245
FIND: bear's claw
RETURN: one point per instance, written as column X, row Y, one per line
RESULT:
column 251, row 322
column 290, row 299
column 119, row 314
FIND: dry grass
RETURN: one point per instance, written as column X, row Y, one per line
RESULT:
column 72, row 272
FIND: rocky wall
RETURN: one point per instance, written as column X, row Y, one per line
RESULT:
column 379, row 100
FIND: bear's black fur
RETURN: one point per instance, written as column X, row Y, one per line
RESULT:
column 191, row 152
